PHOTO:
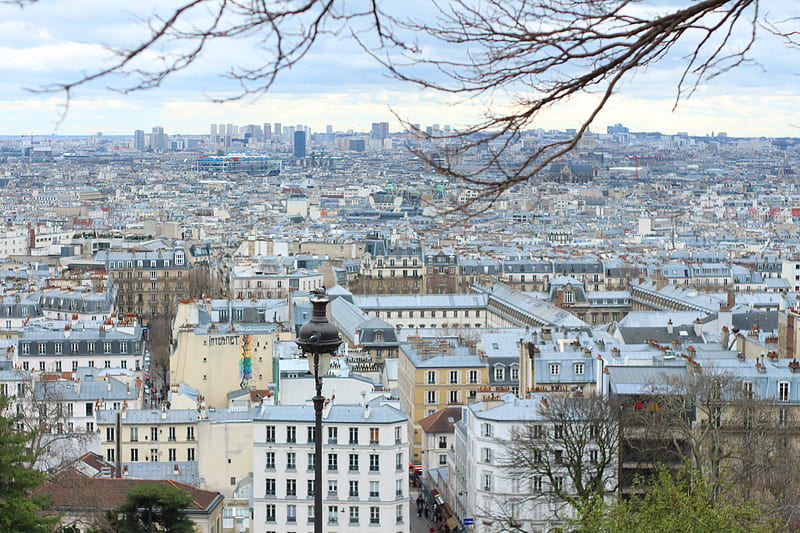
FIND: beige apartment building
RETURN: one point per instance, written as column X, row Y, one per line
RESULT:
column 434, row 374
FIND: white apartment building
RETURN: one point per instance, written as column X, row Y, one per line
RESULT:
column 365, row 469
column 13, row 241
column 484, row 490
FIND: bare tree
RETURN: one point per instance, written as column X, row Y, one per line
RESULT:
column 536, row 53
column 54, row 443
column 568, row 456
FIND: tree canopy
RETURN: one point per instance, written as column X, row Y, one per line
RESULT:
column 20, row 508
column 671, row 503
column 155, row 507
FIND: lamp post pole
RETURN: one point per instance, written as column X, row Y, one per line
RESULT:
column 318, row 339
column 319, row 400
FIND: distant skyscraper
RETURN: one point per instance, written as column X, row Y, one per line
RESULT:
column 267, row 131
column 380, row 130
column 138, row 140
column 158, row 139
column 299, row 144
column 329, row 129
column 277, row 130
column 213, row 130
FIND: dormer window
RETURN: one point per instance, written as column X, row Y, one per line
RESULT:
column 379, row 336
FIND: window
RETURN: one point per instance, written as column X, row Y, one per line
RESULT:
column 270, row 512
column 499, row 373
column 312, row 461
column 153, row 433
column 538, row 431
column 134, row 455
column 579, row 368
column 291, row 513
column 558, row 431
column 59, row 347
column 536, row 484
column 110, row 434
column 353, row 514
column 374, row 515
column 486, row 481
column 171, row 433
column 747, row 386
column 555, row 369
column 398, row 461
column 333, row 435
column 333, row 514
column 473, row 376
column 269, row 487
column 291, row 434
column 110, row 455
column 291, row 487
column 353, row 462
column 431, row 397
column 374, row 434
column 311, row 437
column 453, row 377
column 172, row 454
column 353, row 489
column 333, row 462
column 399, row 514
column 310, row 488
column 486, row 430
column 514, row 373
column 270, row 434
column 398, row 434
column 558, row 483
column 594, row 456
column 486, row 455
column 783, row 391
column 153, row 455
column 190, row 433
column 353, row 435
column 291, row 461
column 558, row 457
column 269, row 461
column 374, row 489
column 430, row 377
column 190, row 454
column 442, row 441
column 333, row 488
column 453, row 397
column 374, row 462
column 310, row 514
column 398, row 487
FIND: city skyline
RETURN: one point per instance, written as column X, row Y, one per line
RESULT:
column 337, row 83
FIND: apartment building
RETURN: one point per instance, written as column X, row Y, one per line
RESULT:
column 149, row 282
column 60, row 346
column 365, row 468
column 434, row 374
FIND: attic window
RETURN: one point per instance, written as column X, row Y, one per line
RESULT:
column 379, row 336
column 683, row 333
column 495, row 346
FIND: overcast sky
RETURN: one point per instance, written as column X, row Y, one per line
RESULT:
column 54, row 41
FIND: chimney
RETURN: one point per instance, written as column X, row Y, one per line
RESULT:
column 698, row 327
column 670, row 327
column 547, row 334
column 725, row 337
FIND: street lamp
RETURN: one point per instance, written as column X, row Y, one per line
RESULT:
column 318, row 339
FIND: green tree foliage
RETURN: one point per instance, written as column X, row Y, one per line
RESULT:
column 155, row 507
column 20, row 508
column 670, row 503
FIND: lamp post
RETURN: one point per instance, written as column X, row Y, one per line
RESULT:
column 318, row 339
